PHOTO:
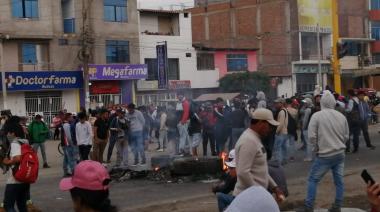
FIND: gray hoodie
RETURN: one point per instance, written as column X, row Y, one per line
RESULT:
column 328, row 129
column 137, row 121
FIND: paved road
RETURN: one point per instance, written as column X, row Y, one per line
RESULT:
column 135, row 193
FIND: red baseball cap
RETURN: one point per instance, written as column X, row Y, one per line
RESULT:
column 89, row 175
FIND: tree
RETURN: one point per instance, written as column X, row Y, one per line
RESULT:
column 247, row 82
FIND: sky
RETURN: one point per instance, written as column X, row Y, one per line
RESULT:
column 166, row 4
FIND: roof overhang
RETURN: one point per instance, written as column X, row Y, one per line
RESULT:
column 358, row 39
column 204, row 48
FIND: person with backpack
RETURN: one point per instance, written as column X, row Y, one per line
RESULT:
column 292, row 105
column 24, row 169
column 281, row 139
column 39, row 132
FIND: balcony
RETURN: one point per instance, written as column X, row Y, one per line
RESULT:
column 69, row 25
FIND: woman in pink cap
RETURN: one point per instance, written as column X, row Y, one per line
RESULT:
column 89, row 188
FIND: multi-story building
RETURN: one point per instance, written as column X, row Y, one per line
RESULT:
column 42, row 43
column 374, row 18
column 172, row 27
column 286, row 35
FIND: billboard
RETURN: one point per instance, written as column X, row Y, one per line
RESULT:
column 314, row 12
column 162, row 63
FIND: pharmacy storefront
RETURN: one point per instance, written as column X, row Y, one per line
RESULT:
column 42, row 92
column 113, row 84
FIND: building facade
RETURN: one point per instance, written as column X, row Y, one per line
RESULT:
column 173, row 28
column 46, row 38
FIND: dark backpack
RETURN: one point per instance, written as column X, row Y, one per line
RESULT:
column 292, row 125
column 171, row 119
column 354, row 115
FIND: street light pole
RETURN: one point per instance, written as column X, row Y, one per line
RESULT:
column 320, row 79
column 335, row 40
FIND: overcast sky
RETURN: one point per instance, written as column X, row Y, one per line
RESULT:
column 166, row 4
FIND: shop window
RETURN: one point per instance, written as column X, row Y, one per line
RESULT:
column 173, row 66
column 205, row 61
column 117, row 51
column 29, row 53
column 237, row 62
column 25, row 8
column 115, row 10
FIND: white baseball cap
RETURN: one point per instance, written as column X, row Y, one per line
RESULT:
column 231, row 156
column 264, row 114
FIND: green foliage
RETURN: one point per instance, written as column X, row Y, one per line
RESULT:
column 247, row 82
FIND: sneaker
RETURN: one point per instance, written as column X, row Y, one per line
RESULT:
column 46, row 166
column 334, row 208
column 307, row 160
column 372, row 147
column 32, row 208
column 160, row 150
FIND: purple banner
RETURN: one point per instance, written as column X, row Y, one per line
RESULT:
column 118, row 72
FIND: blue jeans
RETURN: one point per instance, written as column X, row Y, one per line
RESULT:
column 111, row 145
column 137, row 144
column 224, row 200
column 291, row 145
column 69, row 159
column 235, row 135
column 319, row 168
column 309, row 147
column 280, row 148
column 184, row 140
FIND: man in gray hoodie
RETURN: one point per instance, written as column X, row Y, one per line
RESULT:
column 328, row 131
column 137, row 121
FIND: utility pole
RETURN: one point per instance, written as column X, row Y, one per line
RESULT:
column 85, row 51
column 335, row 40
column 4, row 83
column 320, row 79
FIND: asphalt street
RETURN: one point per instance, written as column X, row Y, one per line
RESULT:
column 136, row 193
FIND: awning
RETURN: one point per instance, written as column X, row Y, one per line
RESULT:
column 214, row 96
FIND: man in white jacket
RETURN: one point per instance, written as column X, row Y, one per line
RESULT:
column 328, row 132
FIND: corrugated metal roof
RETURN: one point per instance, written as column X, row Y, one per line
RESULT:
column 161, row 11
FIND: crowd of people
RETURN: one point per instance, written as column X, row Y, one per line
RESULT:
column 261, row 135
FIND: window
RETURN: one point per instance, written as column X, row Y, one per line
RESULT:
column 205, row 61
column 173, row 73
column 375, row 30
column 115, row 10
column 237, row 62
column 186, row 15
column 25, row 8
column 306, row 82
column 356, row 48
column 117, row 51
column 375, row 4
column 29, row 53
column 69, row 25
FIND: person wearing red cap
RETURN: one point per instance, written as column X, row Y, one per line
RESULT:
column 89, row 187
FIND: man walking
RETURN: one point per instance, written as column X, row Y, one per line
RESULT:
column 84, row 135
column 328, row 131
column 101, row 135
column 67, row 142
column 281, row 138
column 251, row 158
column 121, row 126
column 364, row 112
column 137, row 121
column 38, row 132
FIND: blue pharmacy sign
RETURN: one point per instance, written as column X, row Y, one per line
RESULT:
column 43, row 80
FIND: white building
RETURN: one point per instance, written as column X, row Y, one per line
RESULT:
column 173, row 27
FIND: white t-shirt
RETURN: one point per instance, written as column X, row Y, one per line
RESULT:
column 15, row 151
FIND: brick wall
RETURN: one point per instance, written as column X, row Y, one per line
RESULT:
column 261, row 24
column 352, row 18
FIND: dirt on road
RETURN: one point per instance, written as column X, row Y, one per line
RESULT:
column 355, row 196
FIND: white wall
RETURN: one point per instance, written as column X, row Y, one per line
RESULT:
column 70, row 100
column 178, row 46
column 15, row 102
column 148, row 23
column 68, row 9
column 285, row 87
